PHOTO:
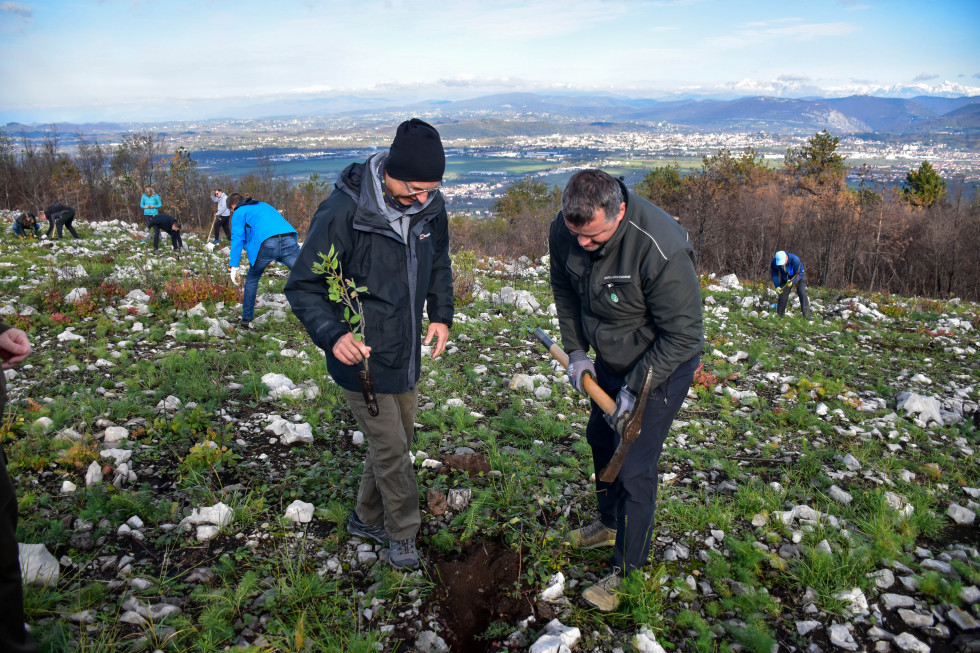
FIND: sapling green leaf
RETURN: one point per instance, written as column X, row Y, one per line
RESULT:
column 345, row 291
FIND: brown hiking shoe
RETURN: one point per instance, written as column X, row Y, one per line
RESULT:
column 603, row 595
column 593, row 535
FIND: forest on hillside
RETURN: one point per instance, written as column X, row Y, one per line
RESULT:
column 920, row 239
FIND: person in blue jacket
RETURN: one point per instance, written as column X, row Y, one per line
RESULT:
column 266, row 237
column 150, row 203
column 787, row 272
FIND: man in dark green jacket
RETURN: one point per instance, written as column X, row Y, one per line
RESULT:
column 622, row 273
column 386, row 220
column 14, row 347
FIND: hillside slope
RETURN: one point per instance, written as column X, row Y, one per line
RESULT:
column 166, row 460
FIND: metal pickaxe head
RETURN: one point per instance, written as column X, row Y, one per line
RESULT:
column 628, row 426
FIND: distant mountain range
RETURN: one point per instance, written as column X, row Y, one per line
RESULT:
column 855, row 114
column 777, row 115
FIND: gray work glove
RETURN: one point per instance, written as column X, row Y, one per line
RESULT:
column 625, row 402
column 579, row 364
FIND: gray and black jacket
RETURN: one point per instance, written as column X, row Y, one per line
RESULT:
column 402, row 275
column 636, row 301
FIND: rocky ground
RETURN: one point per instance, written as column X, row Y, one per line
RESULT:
column 184, row 483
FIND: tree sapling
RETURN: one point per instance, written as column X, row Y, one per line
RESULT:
column 345, row 291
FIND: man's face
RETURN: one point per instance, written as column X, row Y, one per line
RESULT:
column 597, row 231
column 409, row 192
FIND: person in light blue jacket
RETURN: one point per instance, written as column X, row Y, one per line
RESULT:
column 787, row 271
column 266, row 237
column 150, row 203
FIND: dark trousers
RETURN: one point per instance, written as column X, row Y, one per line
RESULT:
column 783, row 300
column 13, row 637
column 165, row 225
column 224, row 222
column 628, row 503
column 282, row 248
column 63, row 220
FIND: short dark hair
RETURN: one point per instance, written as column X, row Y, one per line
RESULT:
column 234, row 200
column 587, row 191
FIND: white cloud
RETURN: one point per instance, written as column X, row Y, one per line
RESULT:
column 17, row 9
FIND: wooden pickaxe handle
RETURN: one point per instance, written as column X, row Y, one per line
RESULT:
column 631, row 430
column 598, row 395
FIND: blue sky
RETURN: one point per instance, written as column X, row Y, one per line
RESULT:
column 157, row 59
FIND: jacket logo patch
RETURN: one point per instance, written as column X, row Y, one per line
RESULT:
column 617, row 277
column 424, row 236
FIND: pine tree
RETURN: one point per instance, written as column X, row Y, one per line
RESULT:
column 924, row 187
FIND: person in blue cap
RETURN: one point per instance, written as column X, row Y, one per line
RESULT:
column 787, row 273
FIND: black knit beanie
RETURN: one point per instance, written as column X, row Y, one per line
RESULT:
column 416, row 153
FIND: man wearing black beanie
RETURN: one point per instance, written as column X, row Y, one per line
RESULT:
column 386, row 221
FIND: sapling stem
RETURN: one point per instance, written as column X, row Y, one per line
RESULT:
column 346, row 292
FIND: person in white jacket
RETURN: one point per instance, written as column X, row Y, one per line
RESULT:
column 222, row 218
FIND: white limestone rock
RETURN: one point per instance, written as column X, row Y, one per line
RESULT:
column 961, row 515
column 69, row 335
column 93, row 475
column 300, row 512
column 291, row 432
column 459, row 498
column 857, row 603
column 218, row 515
column 115, row 434
column 926, row 409
column 909, row 642
column 841, row 637
column 556, row 635
column 37, row 566
column 555, row 590
column 645, row 641
column 429, row 642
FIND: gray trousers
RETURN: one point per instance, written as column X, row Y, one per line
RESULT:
column 389, row 492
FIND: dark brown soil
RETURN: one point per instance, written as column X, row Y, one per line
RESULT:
column 481, row 586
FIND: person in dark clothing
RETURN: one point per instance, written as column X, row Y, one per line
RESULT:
column 61, row 215
column 623, row 278
column 25, row 225
column 169, row 224
column 386, row 221
column 787, row 271
column 14, row 347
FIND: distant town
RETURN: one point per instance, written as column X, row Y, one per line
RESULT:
column 493, row 144
column 481, row 167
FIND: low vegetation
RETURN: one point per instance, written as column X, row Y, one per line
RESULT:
column 752, row 538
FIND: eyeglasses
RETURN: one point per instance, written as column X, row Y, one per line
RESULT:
column 413, row 193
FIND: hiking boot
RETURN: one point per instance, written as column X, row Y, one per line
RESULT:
column 365, row 531
column 593, row 535
column 603, row 595
column 403, row 554
column 245, row 324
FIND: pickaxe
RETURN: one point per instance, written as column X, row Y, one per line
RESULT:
column 628, row 425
